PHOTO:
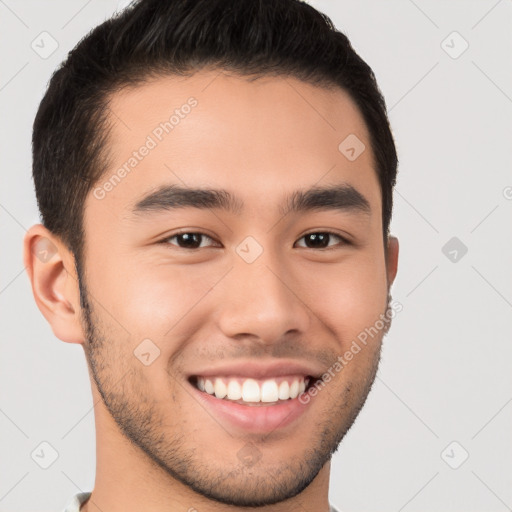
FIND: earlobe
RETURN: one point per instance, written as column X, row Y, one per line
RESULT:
column 392, row 259
column 50, row 267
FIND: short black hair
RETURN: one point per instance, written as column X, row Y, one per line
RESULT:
column 153, row 38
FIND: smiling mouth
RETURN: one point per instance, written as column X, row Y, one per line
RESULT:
column 254, row 392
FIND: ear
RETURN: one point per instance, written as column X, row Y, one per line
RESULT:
column 392, row 259
column 51, row 270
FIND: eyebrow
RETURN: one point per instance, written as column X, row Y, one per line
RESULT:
column 343, row 197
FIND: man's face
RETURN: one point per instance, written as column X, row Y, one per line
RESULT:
column 255, row 299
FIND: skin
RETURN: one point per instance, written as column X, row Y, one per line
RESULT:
column 157, row 448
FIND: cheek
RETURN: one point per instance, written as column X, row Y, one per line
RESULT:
column 349, row 297
column 148, row 299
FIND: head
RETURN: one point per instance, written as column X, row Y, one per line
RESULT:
column 216, row 180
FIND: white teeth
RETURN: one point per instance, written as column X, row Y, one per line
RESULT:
column 251, row 390
column 269, row 391
column 284, row 390
column 208, row 386
column 294, row 389
column 220, row 388
column 234, row 390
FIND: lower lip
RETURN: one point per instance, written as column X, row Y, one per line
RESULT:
column 255, row 418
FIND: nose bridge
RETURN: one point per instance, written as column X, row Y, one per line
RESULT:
column 260, row 300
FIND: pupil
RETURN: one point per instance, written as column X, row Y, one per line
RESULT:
column 318, row 239
column 191, row 240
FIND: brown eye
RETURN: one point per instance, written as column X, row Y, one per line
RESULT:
column 189, row 240
column 321, row 240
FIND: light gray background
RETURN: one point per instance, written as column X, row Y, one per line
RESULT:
column 446, row 369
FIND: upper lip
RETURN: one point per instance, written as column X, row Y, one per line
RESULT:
column 259, row 370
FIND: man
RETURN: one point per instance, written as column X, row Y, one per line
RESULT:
column 215, row 180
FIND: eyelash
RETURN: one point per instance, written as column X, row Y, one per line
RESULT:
column 330, row 233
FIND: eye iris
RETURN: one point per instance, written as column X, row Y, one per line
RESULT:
column 191, row 240
column 318, row 240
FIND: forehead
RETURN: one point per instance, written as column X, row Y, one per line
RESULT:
column 257, row 138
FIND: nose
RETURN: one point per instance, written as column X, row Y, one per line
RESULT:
column 262, row 301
